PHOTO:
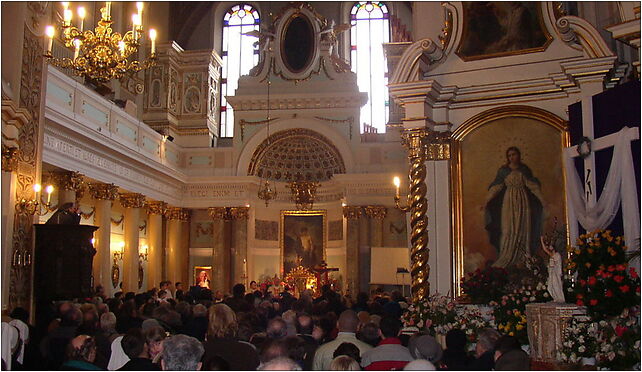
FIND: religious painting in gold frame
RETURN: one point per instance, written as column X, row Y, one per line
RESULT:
column 200, row 279
column 506, row 167
column 302, row 239
column 502, row 28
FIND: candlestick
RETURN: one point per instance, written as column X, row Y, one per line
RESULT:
column 152, row 36
column 397, row 183
column 81, row 14
column 49, row 189
column 49, row 30
column 108, row 6
column 77, row 50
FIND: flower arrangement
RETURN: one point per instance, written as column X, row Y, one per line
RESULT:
column 579, row 340
column 603, row 285
column 510, row 310
column 619, row 341
column 439, row 314
column 483, row 286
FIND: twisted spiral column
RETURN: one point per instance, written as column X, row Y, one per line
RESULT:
column 413, row 140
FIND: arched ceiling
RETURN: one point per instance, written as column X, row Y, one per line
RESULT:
column 296, row 154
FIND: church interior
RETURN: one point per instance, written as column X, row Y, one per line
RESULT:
column 377, row 147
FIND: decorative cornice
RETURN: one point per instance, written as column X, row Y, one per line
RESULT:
column 71, row 181
column 132, row 200
column 352, row 212
column 375, row 211
column 217, row 213
column 103, row 191
column 177, row 213
column 156, row 207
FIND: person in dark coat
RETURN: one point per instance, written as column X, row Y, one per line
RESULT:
column 67, row 214
column 485, row 350
column 81, row 352
column 134, row 345
column 455, row 356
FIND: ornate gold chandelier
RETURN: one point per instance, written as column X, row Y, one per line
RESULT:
column 101, row 55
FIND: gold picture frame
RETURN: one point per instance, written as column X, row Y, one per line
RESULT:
column 292, row 249
column 524, row 49
column 197, row 270
column 460, row 202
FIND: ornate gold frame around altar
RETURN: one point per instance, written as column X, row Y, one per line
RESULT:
column 282, row 228
column 457, row 199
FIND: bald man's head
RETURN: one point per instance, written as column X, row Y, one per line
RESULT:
column 348, row 321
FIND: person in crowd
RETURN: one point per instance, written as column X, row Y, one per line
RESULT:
column 20, row 320
column 347, row 325
column 390, row 353
column 289, row 317
column 128, row 317
column 164, row 286
column 348, row 349
column 154, row 337
column 180, row 292
column 455, row 356
column 344, row 363
column 182, row 353
column 305, row 330
column 104, row 338
column 485, row 350
column 369, row 333
column 425, row 347
column 362, row 303
column 53, row 346
column 237, row 302
column 197, row 325
column 280, row 364
column 420, row 365
column 80, row 354
column 509, row 355
column 67, row 214
column 274, row 348
column 221, row 340
column 136, row 348
column 10, row 346
column 276, row 328
column 117, row 358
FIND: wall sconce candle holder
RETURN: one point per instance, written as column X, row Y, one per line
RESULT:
column 35, row 205
column 115, row 269
column 397, row 182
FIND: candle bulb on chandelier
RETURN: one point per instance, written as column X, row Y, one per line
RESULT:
column 68, row 14
column 397, row 183
column 121, row 47
column 108, row 8
column 77, row 50
column 152, row 37
column 135, row 22
column 49, row 189
column 81, row 14
column 50, row 31
column 139, row 6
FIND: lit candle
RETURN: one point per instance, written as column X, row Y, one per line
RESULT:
column 121, row 46
column 135, row 20
column 139, row 6
column 77, row 50
column 81, row 14
column 68, row 14
column 50, row 34
column 108, row 8
column 37, row 189
column 397, row 183
column 152, row 37
column 49, row 189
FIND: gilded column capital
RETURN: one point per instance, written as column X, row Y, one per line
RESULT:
column 9, row 158
column 132, row 200
column 229, row 213
column 217, row 213
column 103, row 191
column 376, row 211
column 156, row 207
column 239, row 213
column 413, row 140
column 352, row 212
column 72, row 181
column 437, row 145
column 177, row 213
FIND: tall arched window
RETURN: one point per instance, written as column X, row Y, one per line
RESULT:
column 370, row 29
column 239, row 56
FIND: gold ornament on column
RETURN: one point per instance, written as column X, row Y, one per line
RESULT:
column 103, row 191
column 156, row 207
column 177, row 213
column 352, row 212
column 9, row 158
column 303, row 193
column 132, row 200
column 229, row 213
column 414, row 141
column 72, row 181
column 376, row 211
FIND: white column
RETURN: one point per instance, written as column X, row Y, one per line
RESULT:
column 133, row 204
column 155, row 251
column 104, row 194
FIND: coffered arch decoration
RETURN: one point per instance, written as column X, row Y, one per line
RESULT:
column 296, row 154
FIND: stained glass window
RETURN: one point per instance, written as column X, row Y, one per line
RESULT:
column 370, row 29
column 239, row 55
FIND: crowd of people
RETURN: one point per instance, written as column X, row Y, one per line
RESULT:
column 196, row 329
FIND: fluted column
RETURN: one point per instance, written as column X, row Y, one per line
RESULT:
column 70, row 186
column 9, row 182
column 104, row 194
column 220, row 252
column 375, row 214
column 155, row 251
column 133, row 203
column 178, row 244
column 239, row 217
column 353, row 215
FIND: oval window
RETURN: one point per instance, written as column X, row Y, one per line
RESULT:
column 298, row 43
